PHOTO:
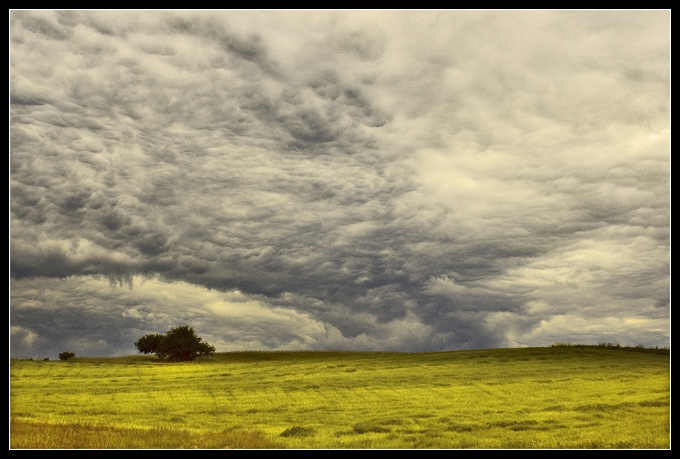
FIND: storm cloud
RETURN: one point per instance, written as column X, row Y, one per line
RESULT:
column 364, row 180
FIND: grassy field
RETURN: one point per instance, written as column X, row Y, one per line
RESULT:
column 553, row 397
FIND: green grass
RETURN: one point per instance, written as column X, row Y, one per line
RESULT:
column 556, row 397
column 46, row 435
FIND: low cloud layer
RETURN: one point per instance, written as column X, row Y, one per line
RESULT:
column 393, row 180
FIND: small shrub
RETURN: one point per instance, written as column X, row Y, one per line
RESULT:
column 66, row 355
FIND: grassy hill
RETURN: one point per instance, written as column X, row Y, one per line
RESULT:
column 553, row 397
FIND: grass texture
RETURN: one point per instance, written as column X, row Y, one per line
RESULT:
column 574, row 397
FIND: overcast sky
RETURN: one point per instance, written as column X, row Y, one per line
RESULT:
column 350, row 180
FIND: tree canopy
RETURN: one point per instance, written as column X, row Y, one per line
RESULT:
column 66, row 355
column 179, row 344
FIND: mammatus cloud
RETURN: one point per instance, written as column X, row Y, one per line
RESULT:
column 339, row 180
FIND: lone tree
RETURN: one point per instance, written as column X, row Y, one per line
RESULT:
column 179, row 344
column 66, row 355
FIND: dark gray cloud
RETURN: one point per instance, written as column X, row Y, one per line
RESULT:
column 331, row 180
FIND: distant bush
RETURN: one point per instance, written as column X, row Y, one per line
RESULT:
column 563, row 344
column 66, row 355
column 655, row 349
